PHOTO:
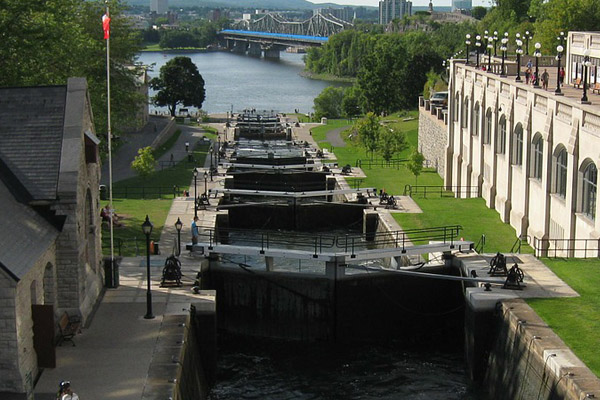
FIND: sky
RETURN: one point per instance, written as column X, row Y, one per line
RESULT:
column 375, row 3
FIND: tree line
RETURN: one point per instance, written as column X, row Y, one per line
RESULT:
column 200, row 33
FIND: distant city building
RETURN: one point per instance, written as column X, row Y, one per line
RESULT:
column 159, row 6
column 462, row 5
column 392, row 9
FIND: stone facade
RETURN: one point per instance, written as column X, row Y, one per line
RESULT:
column 433, row 139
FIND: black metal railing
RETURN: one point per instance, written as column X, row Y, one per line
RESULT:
column 380, row 163
column 516, row 247
column 146, row 192
column 479, row 246
column 566, row 248
column 441, row 190
column 124, row 246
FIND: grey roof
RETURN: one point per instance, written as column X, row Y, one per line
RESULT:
column 31, row 134
column 24, row 235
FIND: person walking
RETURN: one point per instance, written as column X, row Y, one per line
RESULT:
column 195, row 232
column 65, row 392
column 545, row 79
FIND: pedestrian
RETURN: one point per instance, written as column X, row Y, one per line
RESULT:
column 561, row 76
column 527, row 75
column 545, row 78
column 65, row 392
column 529, row 64
column 195, row 233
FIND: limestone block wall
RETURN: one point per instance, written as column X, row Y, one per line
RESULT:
column 432, row 140
column 165, row 134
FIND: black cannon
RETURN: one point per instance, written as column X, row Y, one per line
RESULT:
column 171, row 274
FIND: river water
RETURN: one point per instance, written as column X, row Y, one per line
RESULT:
column 251, row 368
column 234, row 81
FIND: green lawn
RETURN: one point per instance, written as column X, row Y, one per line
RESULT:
column 575, row 320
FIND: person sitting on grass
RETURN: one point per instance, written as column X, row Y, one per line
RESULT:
column 107, row 214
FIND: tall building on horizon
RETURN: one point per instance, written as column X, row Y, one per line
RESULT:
column 159, row 6
column 392, row 9
column 462, row 5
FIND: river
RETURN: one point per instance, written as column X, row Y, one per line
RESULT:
column 234, row 81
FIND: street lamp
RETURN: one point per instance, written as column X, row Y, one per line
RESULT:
column 205, row 179
column 195, row 193
column 489, row 46
column 559, row 50
column 519, row 52
column 586, row 65
column 495, row 42
column 561, row 38
column 478, row 44
column 467, row 42
column 147, row 229
column 178, row 226
column 537, row 54
column 528, row 37
column 503, row 48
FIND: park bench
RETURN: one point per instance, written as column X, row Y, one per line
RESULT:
column 577, row 83
column 68, row 327
column 596, row 88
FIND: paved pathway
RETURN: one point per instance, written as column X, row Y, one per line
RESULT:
column 334, row 137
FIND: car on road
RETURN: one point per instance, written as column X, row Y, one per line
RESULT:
column 439, row 99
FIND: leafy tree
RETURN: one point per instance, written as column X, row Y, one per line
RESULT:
column 369, row 129
column 478, row 12
column 173, row 39
column 351, row 103
column 144, row 163
column 179, row 82
column 329, row 103
column 415, row 164
column 390, row 142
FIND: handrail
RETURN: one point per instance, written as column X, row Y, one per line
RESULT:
column 516, row 247
column 144, row 192
column 480, row 242
column 122, row 245
column 442, row 190
column 566, row 248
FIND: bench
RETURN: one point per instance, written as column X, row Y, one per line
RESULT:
column 68, row 327
column 577, row 83
column 596, row 88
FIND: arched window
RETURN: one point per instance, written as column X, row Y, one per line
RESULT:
column 501, row 137
column 537, row 156
column 560, row 171
column 456, row 106
column 475, row 123
column 589, row 182
column 517, row 145
column 487, row 132
column 465, row 114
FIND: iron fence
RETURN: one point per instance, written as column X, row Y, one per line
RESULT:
column 567, row 248
column 441, row 190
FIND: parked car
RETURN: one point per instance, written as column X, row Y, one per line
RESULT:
column 439, row 99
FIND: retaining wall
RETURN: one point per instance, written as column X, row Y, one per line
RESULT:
column 165, row 134
column 433, row 140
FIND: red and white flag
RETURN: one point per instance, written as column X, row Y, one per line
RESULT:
column 106, row 26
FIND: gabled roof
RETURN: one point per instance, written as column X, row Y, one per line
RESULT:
column 31, row 136
column 24, row 235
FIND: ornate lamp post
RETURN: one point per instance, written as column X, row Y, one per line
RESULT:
column 586, row 65
column 495, row 42
column 528, row 37
column 211, row 152
column 504, row 48
column 478, row 45
column 561, row 38
column 147, row 229
column 537, row 54
column 178, row 226
column 205, row 179
column 195, row 192
column 559, row 50
column 467, row 42
column 490, row 46
column 519, row 52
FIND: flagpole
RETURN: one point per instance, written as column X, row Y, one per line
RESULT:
column 109, row 135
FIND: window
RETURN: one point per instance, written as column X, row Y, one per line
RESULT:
column 475, row 123
column 465, row 114
column 517, row 145
column 501, row 138
column 537, row 156
column 560, row 172
column 590, row 176
column 487, row 133
column 456, row 106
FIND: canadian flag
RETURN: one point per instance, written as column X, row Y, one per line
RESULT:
column 106, row 26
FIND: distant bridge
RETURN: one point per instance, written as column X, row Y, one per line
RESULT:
column 271, row 34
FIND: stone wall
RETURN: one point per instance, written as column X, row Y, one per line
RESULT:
column 165, row 134
column 432, row 140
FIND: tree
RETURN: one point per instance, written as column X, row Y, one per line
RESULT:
column 179, row 82
column 178, row 39
column 369, row 129
column 415, row 163
column 351, row 103
column 329, row 103
column 390, row 142
column 478, row 12
column 144, row 163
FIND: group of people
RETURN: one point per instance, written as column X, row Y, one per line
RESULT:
column 544, row 79
column 107, row 214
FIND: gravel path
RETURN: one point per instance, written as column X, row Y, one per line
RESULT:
column 334, row 137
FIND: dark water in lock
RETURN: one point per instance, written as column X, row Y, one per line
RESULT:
column 252, row 368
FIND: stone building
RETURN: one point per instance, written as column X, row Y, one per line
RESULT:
column 50, row 231
column 531, row 154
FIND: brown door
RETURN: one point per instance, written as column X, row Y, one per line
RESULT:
column 43, row 335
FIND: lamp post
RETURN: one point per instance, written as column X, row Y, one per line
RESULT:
column 537, row 54
column 147, row 229
column 489, row 46
column 528, row 37
column 205, row 179
column 195, row 192
column 561, row 38
column 519, row 52
column 586, row 65
column 478, row 45
column 467, row 42
column 495, row 42
column 178, row 226
column 504, row 48
column 559, row 50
